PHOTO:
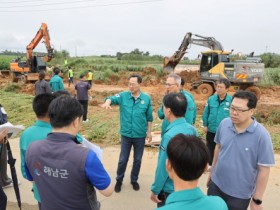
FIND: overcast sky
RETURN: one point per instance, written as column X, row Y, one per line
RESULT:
column 95, row 27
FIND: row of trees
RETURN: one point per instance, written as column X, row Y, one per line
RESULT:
column 136, row 54
column 271, row 60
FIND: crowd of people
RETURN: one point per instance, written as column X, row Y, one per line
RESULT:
column 238, row 152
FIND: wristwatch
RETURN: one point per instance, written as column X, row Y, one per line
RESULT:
column 257, row 201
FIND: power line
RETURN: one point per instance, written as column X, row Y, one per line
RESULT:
column 38, row 5
column 82, row 7
column 12, row 2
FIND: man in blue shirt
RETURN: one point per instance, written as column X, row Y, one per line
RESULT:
column 175, row 106
column 59, row 166
column 187, row 160
column 243, row 156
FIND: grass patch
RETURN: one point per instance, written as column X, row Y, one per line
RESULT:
column 269, row 119
column 18, row 108
column 271, row 77
column 103, row 127
column 276, row 141
column 12, row 88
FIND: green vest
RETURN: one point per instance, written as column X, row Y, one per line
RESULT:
column 90, row 76
column 70, row 73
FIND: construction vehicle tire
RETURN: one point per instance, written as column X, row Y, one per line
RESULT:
column 23, row 79
column 205, row 89
column 255, row 90
column 14, row 78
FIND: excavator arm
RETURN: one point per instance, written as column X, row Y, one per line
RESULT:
column 28, row 70
column 42, row 33
column 169, row 63
column 210, row 42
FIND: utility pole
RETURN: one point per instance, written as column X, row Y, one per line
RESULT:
column 266, row 48
column 75, row 51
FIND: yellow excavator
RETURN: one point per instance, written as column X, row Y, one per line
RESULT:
column 215, row 64
column 28, row 70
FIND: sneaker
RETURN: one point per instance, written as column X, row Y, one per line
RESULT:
column 84, row 121
column 10, row 185
column 135, row 186
column 118, row 187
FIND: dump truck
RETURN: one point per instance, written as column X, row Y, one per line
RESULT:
column 28, row 70
column 215, row 64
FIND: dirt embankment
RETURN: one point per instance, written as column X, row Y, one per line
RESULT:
column 154, row 85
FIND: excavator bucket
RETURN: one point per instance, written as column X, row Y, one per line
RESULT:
column 5, row 73
column 169, row 64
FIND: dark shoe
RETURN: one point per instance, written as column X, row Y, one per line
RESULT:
column 118, row 187
column 11, row 184
column 135, row 186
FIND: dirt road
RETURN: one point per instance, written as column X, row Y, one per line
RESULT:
column 128, row 199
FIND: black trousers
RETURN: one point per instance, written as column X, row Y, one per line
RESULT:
column 84, row 103
column 3, row 199
column 211, row 145
column 233, row 203
column 4, row 179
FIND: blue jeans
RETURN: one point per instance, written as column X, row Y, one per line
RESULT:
column 138, row 146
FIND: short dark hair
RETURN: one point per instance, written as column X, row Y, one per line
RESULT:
column 250, row 96
column 224, row 81
column 64, row 110
column 188, row 156
column 177, row 102
column 61, row 92
column 41, row 104
column 182, row 82
column 82, row 76
column 41, row 75
column 139, row 78
column 56, row 70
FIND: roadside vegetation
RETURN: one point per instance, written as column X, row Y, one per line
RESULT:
column 112, row 66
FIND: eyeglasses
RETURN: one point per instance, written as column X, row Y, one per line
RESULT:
column 132, row 84
column 238, row 111
column 168, row 84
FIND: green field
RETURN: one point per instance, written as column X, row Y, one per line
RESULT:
column 104, row 124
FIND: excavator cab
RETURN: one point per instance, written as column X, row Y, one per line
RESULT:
column 208, row 60
column 211, row 62
column 37, row 65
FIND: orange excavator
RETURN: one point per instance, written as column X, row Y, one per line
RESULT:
column 28, row 70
